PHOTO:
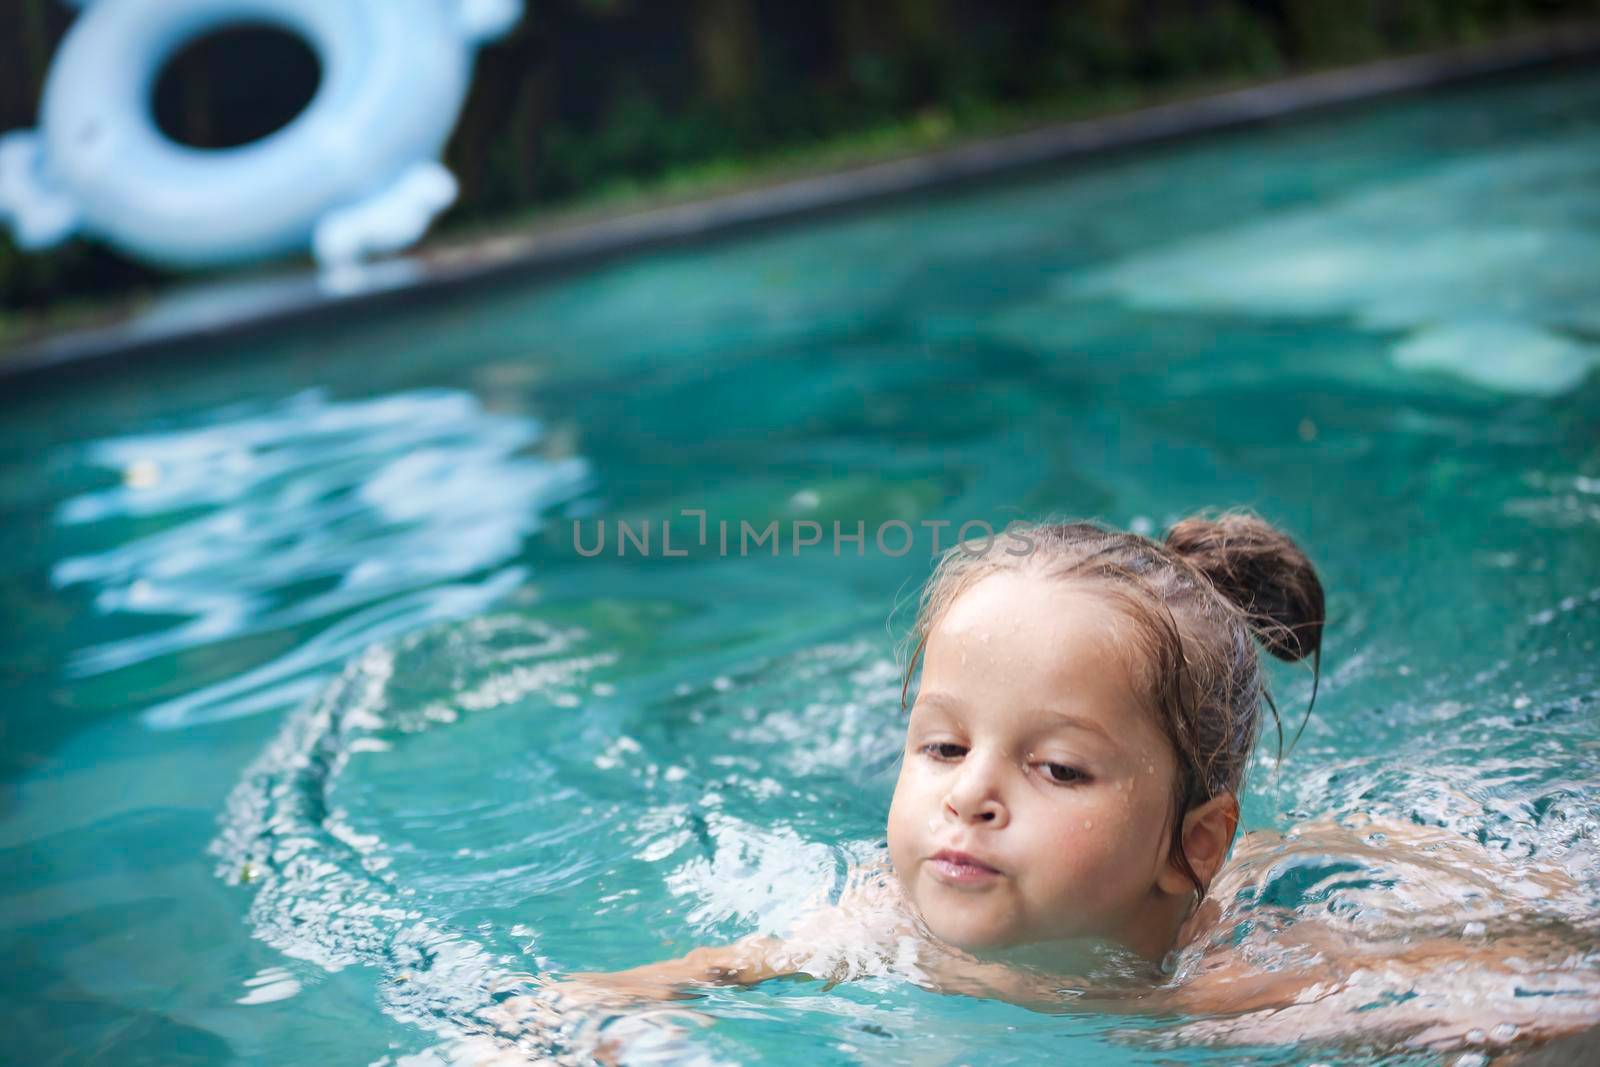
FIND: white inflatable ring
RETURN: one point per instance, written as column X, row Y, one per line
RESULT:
column 356, row 172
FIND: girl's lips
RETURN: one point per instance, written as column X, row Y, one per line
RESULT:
column 958, row 868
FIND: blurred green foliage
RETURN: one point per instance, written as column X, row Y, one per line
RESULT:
column 590, row 96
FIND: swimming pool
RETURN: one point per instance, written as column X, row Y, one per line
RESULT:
column 319, row 718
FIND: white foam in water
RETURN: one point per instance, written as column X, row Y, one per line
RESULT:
column 757, row 877
column 1477, row 267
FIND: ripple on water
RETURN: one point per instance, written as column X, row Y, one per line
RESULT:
column 438, row 812
column 353, row 519
column 324, row 888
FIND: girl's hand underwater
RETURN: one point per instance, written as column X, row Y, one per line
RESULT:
column 745, row 962
column 605, row 1014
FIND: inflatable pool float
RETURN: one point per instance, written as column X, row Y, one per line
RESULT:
column 355, row 173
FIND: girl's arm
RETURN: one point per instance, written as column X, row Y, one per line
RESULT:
column 563, row 1003
column 1461, row 994
column 1396, row 973
column 756, row 958
column 745, row 962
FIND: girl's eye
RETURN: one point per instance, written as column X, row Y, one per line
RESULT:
column 941, row 750
column 1062, row 774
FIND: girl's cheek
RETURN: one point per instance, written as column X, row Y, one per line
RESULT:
column 1129, row 797
column 1103, row 828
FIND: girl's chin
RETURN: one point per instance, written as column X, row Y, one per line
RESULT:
column 981, row 947
column 974, row 924
column 1009, row 944
column 976, row 938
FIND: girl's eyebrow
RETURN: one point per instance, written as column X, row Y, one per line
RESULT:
column 1062, row 718
column 940, row 699
column 1077, row 722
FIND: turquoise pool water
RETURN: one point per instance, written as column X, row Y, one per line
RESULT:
column 317, row 719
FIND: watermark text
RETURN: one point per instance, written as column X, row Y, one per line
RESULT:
column 777, row 537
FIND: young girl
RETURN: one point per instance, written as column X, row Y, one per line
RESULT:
column 1068, row 797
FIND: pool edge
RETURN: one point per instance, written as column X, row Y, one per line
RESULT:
column 438, row 273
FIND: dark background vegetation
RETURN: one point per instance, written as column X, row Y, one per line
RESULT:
column 591, row 96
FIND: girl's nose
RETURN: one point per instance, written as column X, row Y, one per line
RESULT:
column 974, row 795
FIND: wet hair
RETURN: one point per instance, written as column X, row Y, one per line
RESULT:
column 1199, row 600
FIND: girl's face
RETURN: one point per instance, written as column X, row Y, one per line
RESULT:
column 1029, row 749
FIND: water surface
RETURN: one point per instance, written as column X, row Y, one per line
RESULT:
column 317, row 720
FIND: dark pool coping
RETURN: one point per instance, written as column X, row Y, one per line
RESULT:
column 192, row 317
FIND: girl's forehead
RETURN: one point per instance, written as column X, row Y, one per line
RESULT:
column 1020, row 640
column 1018, row 604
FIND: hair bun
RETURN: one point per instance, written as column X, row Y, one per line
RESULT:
column 1256, row 566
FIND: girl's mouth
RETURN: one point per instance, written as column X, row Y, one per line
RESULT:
column 958, row 868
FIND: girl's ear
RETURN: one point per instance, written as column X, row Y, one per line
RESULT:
column 1207, row 834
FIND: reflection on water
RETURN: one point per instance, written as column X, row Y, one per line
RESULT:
column 358, row 518
column 1470, row 266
